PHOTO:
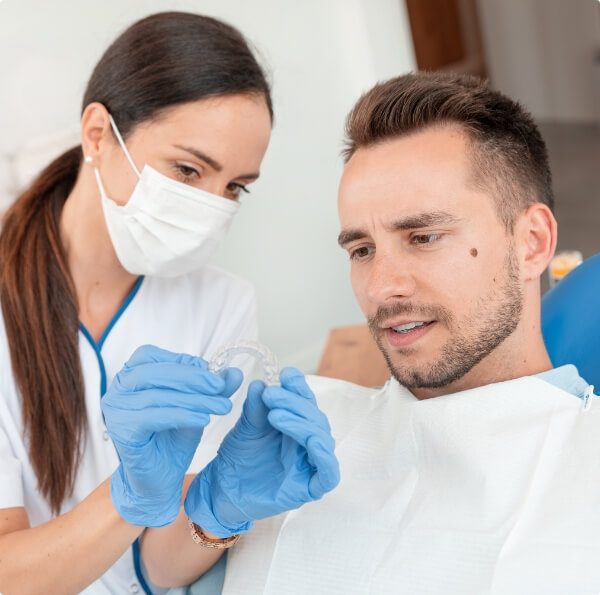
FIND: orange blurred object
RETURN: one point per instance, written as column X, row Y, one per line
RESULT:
column 562, row 264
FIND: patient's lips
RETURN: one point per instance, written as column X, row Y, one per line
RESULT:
column 408, row 332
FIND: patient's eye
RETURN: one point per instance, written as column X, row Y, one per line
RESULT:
column 360, row 253
column 425, row 238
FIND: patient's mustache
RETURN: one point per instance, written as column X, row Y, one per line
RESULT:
column 417, row 312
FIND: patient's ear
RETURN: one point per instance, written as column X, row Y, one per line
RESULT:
column 535, row 237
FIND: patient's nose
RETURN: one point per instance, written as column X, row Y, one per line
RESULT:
column 389, row 279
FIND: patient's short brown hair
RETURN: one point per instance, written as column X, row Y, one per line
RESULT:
column 509, row 154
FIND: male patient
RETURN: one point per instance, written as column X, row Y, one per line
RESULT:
column 476, row 468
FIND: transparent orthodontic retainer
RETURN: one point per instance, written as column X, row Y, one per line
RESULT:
column 262, row 354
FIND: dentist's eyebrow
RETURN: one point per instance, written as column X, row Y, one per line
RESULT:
column 423, row 220
column 213, row 162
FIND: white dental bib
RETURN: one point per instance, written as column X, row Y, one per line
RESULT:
column 492, row 490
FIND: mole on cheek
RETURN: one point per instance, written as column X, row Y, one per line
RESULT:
column 474, row 252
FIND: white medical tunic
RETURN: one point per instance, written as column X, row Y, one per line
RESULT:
column 494, row 490
column 194, row 314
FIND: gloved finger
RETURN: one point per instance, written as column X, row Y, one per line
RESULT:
column 255, row 412
column 319, row 446
column 299, row 428
column 183, row 437
column 165, row 398
column 169, row 375
column 146, row 422
column 294, row 380
column 147, row 354
column 233, row 378
column 276, row 397
column 327, row 469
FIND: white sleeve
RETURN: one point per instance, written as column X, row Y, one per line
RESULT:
column 11, row 479
column 239, row 322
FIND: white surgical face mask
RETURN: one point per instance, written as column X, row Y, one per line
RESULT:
column 167, row 228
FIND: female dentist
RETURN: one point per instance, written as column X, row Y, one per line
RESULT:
column 105, row 252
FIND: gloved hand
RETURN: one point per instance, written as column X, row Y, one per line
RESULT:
column 155, row 411
column 278, row 456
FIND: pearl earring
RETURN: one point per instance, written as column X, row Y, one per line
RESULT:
column 88, row 159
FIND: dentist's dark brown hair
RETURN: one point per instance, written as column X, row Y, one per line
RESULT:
column 162, row 61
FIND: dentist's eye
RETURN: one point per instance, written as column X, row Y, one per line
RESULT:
column 360, row 253
column 186, row 173
column 425, row 239
column 234, row 189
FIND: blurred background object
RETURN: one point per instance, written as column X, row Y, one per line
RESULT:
column 446, row 35
column 322, row 56
column 562, row 264
column 351, row 354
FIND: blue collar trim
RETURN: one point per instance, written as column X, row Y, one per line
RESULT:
column 97, row 347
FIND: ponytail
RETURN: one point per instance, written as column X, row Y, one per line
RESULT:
column 41, row 319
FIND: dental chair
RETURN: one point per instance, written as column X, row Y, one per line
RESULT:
column 571, row 320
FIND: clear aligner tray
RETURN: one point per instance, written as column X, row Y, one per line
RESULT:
column 262, row 354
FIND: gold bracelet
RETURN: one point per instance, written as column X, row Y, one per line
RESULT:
column 202, row 539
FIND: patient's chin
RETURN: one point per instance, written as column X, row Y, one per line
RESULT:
column 415, row 379
column 416, row 372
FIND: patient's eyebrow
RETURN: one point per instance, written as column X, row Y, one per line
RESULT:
column 350, row 235
column 418, row 221
column 422, row 220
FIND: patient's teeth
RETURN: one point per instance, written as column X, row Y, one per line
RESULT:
column 408, row 326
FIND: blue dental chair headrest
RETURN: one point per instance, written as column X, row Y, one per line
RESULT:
column 571, row 320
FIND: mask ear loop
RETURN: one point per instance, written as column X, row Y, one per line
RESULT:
column 99, row 182
column 122, row 143
column 587, row 398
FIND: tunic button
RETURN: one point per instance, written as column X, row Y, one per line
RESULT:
column 134, row 588
column 105, row 437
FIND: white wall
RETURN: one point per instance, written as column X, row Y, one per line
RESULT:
column 322, row 55
column 541, row 52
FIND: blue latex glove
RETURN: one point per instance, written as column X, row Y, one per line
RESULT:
column 155, row 411
column 278, row 456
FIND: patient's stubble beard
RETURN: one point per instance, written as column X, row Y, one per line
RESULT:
column 494, row 318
